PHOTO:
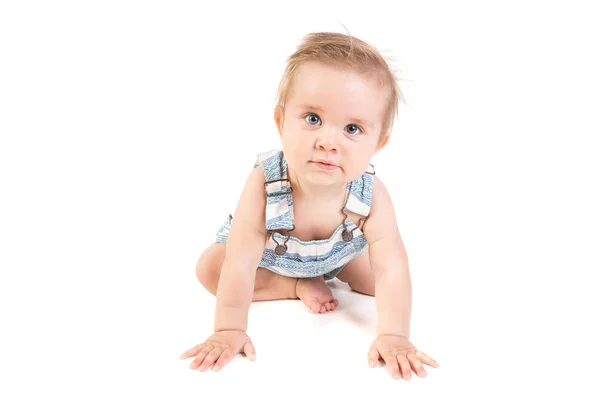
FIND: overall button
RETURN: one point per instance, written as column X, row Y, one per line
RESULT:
column 347, row 236
column 280, row 249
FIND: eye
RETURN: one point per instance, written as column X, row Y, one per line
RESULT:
column 313, row 119
column 353, row 129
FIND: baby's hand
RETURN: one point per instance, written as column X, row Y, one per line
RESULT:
column 397, row 350
column 221, row 347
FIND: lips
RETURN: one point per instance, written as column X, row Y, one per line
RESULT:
column 325, row 162
column 325, row 165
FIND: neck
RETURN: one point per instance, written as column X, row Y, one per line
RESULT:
column 307, row 190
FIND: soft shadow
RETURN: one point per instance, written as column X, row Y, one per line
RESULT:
column 356, row 307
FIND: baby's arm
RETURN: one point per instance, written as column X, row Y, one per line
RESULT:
column 393, row 291
column 245, row 246
column 244, row 250
column 389, row 263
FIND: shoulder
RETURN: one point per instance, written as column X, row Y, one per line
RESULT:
column 382, row 217
column 256, row 176
column 381, row 198
column 250, row 210
column 255, row 186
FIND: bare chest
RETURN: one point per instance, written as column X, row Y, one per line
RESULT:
column 318, row 222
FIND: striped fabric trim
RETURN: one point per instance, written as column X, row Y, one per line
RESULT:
column 314, row 250
column 279, row 211
column 361, row 192
column 223, row 232
column 302, row 261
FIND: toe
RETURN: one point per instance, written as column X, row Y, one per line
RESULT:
column 315, row 306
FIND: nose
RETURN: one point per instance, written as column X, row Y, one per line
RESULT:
column 327, row 139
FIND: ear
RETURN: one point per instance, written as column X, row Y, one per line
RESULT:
column 278, row 117
column 382, row 142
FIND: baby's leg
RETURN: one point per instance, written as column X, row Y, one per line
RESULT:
column 268, row 285
column 358, row 274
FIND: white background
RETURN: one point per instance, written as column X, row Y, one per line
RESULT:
column 127, row 131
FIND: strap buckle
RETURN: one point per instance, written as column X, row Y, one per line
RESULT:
column 278, row 191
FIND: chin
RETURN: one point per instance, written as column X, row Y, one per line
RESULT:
column 323, row 179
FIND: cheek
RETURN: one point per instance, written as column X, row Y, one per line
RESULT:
column 289, row 143
column 358, row 166
column 295, row 140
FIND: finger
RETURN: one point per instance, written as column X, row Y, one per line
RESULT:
column 223, row 359
column 416, row 364
column 336, row 302
column 427, row 360
column 250, row 351
column 211, row 358
column 404, row 366
column 200, row 357
column 373, row 357
column 192, row 352
column 391, row 364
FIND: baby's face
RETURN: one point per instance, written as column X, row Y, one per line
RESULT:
column 331, row 115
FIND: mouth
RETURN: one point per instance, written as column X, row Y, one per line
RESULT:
column 322, row 164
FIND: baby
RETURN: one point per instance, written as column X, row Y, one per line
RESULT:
column 316, row 210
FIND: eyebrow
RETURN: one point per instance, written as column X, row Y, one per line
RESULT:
column 356, row 120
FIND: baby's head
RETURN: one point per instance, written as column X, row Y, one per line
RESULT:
column 337, row 101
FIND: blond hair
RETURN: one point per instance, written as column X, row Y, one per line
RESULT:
column 343, row 51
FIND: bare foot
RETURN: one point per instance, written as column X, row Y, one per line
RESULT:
column 315, row 293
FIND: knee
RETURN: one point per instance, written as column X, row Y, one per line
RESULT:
column 202, row 271
column 208, row 273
